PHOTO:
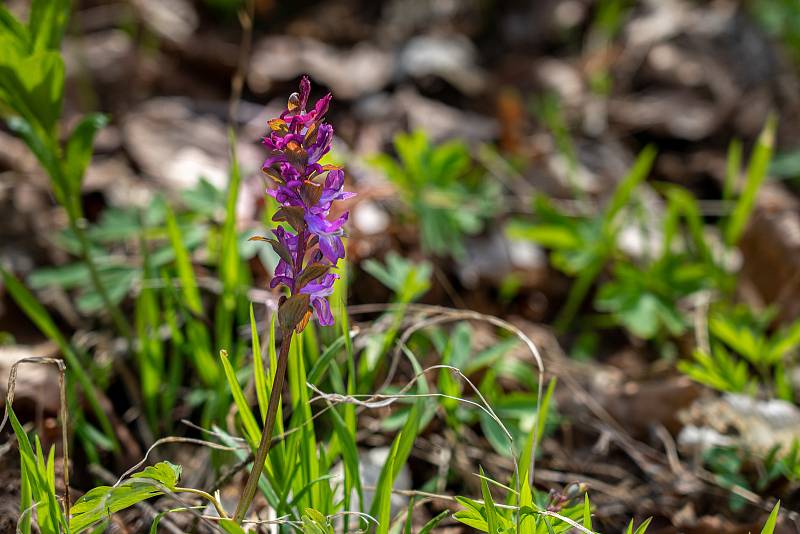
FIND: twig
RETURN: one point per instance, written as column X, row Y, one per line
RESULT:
column 171, row 439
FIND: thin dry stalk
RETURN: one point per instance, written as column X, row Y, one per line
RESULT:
column 439, row 315
column 63, row 413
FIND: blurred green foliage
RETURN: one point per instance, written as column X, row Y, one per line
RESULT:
column 445, row 194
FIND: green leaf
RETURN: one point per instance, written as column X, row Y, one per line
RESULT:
column 732, row 169
column 191, row 295
column 229, row 268
column 349, row 452
column 409, row 515
column 409, row 280
column 769, row 526
column 78, row 150
column 471, row 519
column 34, row 87
column 757, row 170
column 230, row 526
column 101, row 502
column 433, row 523
column 323, row 362
column 623, row 192
column 48, row 19
column 527, row 523
column 381, row 506
column 785, row 341
column 13, row 29
column 166, row 473
column 488, row 503
column 44, row 152
column 251, row 428
column 643, row 527
column 25, row 498
column 314, row 522
column 541, row 419
column 587, row 512
column 262, row 393
column 547, row 235
column 40, row 478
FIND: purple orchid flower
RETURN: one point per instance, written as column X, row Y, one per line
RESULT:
column 319, row 291
column 306, row 191
column 329, row 234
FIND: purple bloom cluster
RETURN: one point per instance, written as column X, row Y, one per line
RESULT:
column 306, row 190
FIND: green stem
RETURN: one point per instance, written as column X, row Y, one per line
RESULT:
column 117, row 317
column 580, row 288
column 266, row 434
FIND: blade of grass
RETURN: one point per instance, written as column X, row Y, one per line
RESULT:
column 382, row 505
column 43, row 492
column 262, row 394
column 349, row 457
column 643, row 527
column 536, row 433
column 488, row 504
column 25, row 499
column 756, row 174
column 401, row 449
column 183, row 264
column 769, row 526
column 177, row 354
column 587, row 512
column 637, row 174
column 433, row 523
column 229, row 261
column 301, row 412
column 149, row 350
column 732, row 169
column 252, row 431
column 409, row 515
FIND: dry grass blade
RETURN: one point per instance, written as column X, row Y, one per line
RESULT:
column 171, row 439
column 63, row 413
column 434, row 315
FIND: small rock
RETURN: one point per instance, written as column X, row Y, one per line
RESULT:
column 442, row 121
column 450, row 58
column 369, row 218
column 107, row 54
column 494, row 257
column 349, row 74
column 742, row 421
column 36, row 384
column 177, row 145
column 173, row 20
column 115, row 179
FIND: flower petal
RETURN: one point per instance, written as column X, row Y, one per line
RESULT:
column 322, row 309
